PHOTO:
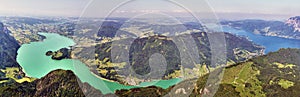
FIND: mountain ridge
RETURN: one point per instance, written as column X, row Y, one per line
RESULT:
column 56, row 83
column 271, row 75
column 8, row 48
column 238, row 49
column 294, row 22
column 285, row 29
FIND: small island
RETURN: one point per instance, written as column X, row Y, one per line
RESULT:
column 63, row 53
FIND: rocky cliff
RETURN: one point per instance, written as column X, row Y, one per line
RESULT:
column 294, row 22
column 8, row 48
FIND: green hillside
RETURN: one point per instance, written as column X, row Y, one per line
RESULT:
column 238, row 49
column 271, row 75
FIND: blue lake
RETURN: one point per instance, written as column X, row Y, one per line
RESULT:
column 271, row 43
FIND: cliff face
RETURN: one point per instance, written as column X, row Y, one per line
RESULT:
column 8, row 48
column 294, row 22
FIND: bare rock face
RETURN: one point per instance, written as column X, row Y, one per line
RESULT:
column 1, row 26
column 8, row 49
column 294, row 22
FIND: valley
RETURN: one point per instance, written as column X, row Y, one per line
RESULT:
column 264, row 76
column 88, row 60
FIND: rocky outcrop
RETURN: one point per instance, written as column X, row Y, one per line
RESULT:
column 58, row 83
column 8, row 48
column 64, row 83
column 294, row 22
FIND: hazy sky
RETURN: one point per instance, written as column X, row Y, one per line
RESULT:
column 76, row 7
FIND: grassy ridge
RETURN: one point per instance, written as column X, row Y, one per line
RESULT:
column 271, row 75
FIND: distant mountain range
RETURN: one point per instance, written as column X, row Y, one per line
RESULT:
column 288, row 29
column 113, row 29
column 275, row 74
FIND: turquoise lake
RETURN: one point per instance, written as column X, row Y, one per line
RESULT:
column 36, row 64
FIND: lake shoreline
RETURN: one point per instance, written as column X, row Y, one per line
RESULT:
column 45, row 64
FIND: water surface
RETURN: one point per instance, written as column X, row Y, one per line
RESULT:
column 271, row 43
column 36, row 64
